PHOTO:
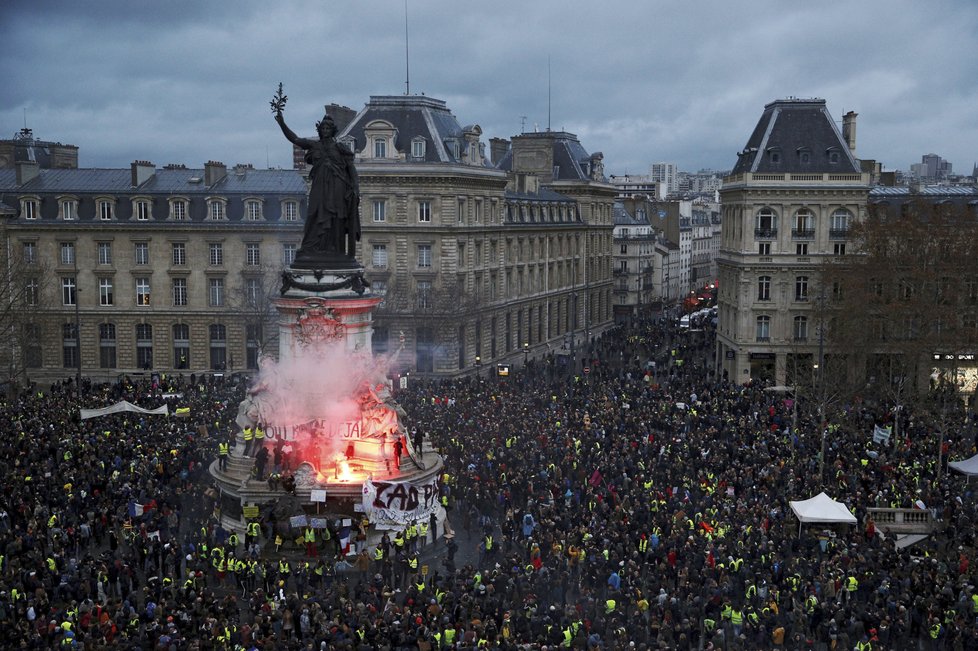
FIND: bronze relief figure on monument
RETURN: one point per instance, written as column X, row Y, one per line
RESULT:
column 333, row 218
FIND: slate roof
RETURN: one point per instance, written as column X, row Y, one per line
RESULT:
column 622, row 217
column 411, row 116
column 789, row 127
column 569, row 156
column 164, row 181
column 882, row 191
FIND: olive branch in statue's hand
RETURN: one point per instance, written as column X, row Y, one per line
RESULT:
column 278, row 101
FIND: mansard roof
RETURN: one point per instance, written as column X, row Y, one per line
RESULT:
column 796, row 136
column 180, row 181
column 571, row 162
column 413, row 116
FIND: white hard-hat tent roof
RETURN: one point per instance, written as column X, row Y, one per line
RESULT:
column 967, row 467
column 821, row 509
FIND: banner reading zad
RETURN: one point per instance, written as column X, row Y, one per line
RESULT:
column 394, row 504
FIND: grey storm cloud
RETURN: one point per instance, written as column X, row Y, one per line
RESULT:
column 684, row 82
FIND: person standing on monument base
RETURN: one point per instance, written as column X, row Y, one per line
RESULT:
column 333, row 218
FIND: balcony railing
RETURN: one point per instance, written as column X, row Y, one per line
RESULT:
column 765, row 233
column 802, row 233
column 838, row 233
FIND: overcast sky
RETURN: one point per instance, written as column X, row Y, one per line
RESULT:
column 186, row 81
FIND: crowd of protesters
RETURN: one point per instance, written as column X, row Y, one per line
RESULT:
column 643, row 504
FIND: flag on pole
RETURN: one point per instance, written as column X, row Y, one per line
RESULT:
column 135, row 510
column 344, row 537
column 882, row 434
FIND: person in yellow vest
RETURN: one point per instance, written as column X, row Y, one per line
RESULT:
column 223, row 450
column 309, row 538
column 259, row 437
column 249, row 436
column 423, row 533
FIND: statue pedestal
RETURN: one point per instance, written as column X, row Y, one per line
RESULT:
column 325, row 329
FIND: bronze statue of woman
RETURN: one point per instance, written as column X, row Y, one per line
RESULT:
column 333, row 219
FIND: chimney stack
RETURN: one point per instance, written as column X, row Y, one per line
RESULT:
column 142, row 171
column 27, row 170
column 849, row 130
column 214, row 172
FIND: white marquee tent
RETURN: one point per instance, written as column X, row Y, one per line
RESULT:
column 821, row 509
column 967, row 467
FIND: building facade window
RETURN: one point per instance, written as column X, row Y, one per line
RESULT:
column 801, row 328
column 32, row 348
column 288, row 254
column 801, row 248
column 379, row 258
column 142, row 210
column 181, row 345
column 801, row 288
column 179, row 292
column 68, row 209
column 841, row 219
column 764, row 288
column 380, row 148
column 418, row 148
column 424, row 344
column 104, row 253
column 216, row 251
column 290, row 211
column 380, row 210
column 216, row 292
column 69, row 345
column 253, row 345
column 380, row 340
column 424, row 294
column 144, row 346
column 106, row 345
column 253, row 212
column 29, row 252
column 253, row 291
column 142, row 253
column 766, row 223
column 804, row 223
column 32, row 291
column 424, row 211
column 68, row 290
column 178, row 210
column 179, row 251
column 215, row 210
column 253, row 254
column 763, row 328
column 105, row 297
column 106, row 210
column 424, row 256
column 142, row 292
column 218, row 346
column 839, row 248
column 30, row 208
column 67, row 253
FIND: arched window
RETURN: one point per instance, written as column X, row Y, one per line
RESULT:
column 218, row 342
column 766, row 223
column 804, row 224
column 841, row 219
column 181, row 346
column 144, row 346
column 106, row 345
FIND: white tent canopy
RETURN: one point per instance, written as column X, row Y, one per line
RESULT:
column 123, row 406
column 967, row 467
column 823, row 509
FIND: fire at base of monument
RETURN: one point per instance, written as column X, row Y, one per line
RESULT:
column 332, row 409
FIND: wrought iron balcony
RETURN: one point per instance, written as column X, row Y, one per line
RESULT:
column 802, row 233
column 765, row 233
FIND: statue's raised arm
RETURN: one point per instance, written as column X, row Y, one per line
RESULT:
column 333, row 218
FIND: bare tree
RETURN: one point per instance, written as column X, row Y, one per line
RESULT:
column 252, row 299
column 906, row 294
column 22, row 313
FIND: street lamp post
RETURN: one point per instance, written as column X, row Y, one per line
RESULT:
column 526, row 353
column 478, row 367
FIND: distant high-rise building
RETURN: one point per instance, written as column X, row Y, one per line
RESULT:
column 931, row 168
column 666, row 173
